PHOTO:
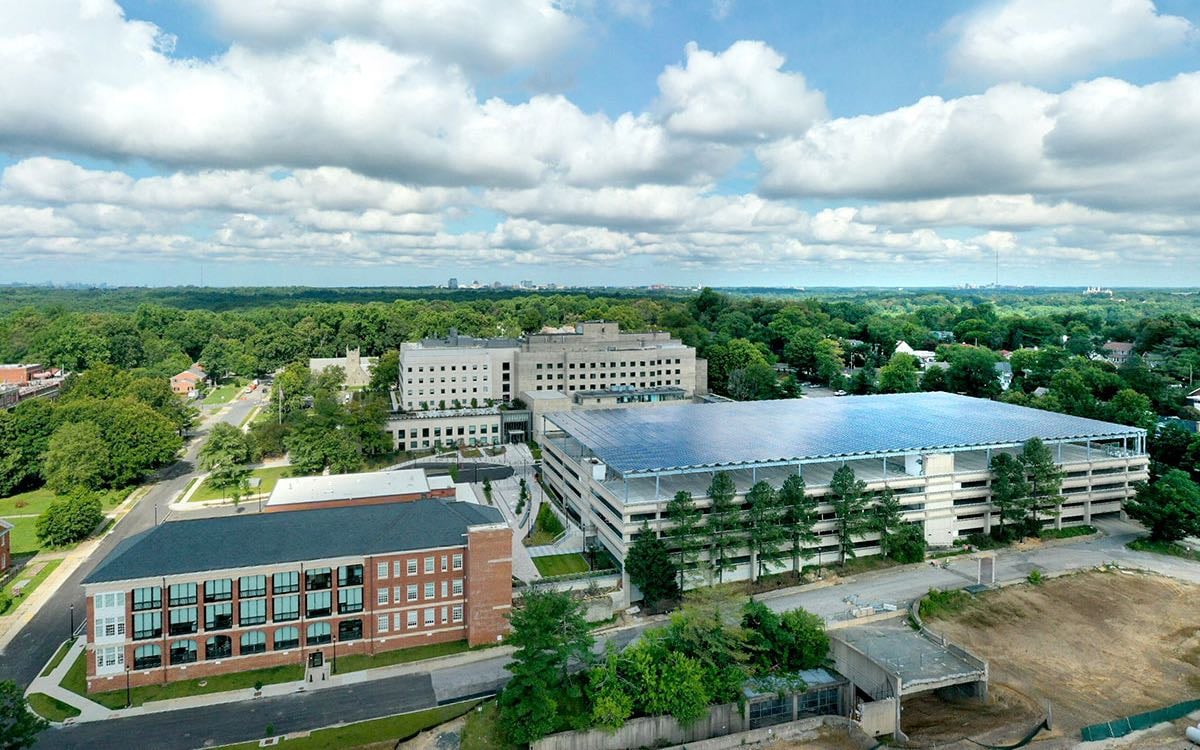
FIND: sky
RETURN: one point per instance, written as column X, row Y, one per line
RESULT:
column 600, row 142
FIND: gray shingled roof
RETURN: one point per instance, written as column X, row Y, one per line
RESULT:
column 268, row 538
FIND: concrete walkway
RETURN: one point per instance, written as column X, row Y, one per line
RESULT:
column 92, row 711
column 571, row 541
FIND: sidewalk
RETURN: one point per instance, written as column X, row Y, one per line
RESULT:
column 11, row 624
column 92, row 711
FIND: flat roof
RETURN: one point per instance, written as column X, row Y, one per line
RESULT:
column 704, row 436
column 204, row 544
column 289, row 490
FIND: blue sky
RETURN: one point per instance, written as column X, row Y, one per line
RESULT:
column 600, row 142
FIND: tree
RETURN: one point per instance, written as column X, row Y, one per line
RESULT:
column 487, row 490
column 849, row 506
column 668, row 682
column 899, row 375
column 224, row 456
column 724, row 359
column 827, row 356
column 863, row 381
column 799, row 516
column 548, row 632
column 19, row 727
column 1044, row 477
column 972, row 371
column 885, row 519
column 685, row 533
column 764, row 529
column 755, row 382
column 784, row 643
column 651, row 568
column 25, row 432
column 1169, row 507
column 935, row 379
column 69, row 520
column 385, row 375
column 610, row 693
column 77, row 457
column 723, row 524
column 1010, row 490
column 908, row 544
column 1131, row 408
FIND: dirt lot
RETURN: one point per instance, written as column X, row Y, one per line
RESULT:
column 829, row 739
column 1095, row 645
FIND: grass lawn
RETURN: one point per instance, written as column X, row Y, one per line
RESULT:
column 223, row 394
column 23, row 536
column 22, row 510
column 482, row 730
column 26, row 503
column 58, row 657
column 1163, row 548
column 1068, row 533
column 269, row 476
column 76, row 682
column 51, row 708
column 34, row 582
column 375, row 732
column 356, row 662
column 561, row 565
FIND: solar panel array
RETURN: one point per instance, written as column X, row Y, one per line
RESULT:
column 663, row 438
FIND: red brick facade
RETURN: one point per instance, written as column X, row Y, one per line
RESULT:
column 5, row 550
column 18, row 374
column 485, row 573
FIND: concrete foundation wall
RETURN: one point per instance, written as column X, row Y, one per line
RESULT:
column 804, row 730
column 649, row 732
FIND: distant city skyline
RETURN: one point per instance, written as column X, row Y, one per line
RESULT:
column 616, row 142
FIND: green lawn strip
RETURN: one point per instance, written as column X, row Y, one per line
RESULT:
column 269, row 476
column 223, row 394
column 1068, row 532
column 23, row 536
column 357, row 662
column 482, row 730
column 1163, row 548
column 58, row 657
column 30, row 587
column 51, row 708
column 561, row 565
column 76, row 681
column 27, row 503
column 390, row 730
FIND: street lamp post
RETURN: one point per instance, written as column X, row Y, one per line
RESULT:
column 72, row 633
column 128, row 693
column 334, row 654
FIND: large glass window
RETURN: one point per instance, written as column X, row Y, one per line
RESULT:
column 183, row 621
column 218, row 647
column 286, row 608
column 457, row 561
column 254, row 642
column 147, row 597
column 285, row 583
column 318, row 604
column 147, row 657
column 349, row 630
column 429, row 590
column 252, row 612
column 411, row 593
column 317, row 633
column 350, row 575
column 412, row 567
column 251, row 586
column 218, row 616
column 429, row 565
column 183, row 652
column 147, row 625
column 182, row 594
column 350, row 600
column 286, row 638
column 316, row 579
column 218, row 590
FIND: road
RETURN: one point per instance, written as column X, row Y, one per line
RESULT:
column 29, row 650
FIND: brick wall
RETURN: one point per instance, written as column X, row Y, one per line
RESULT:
column 5, row 550
column 489, row 583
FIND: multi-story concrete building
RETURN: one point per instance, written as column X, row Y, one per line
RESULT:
column 195, row 598
column 616, row 469
column 597, row 356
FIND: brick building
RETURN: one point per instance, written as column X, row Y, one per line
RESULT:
column 18, row 374
column 209, row 596
column 188, row 382
column 5, row 546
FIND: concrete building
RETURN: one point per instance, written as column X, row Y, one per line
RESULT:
column 616, row 469
column 436, row 373
column 203, row 597
column 441, row 428
column 368, row 488
column 189, row 382
column 357, row 368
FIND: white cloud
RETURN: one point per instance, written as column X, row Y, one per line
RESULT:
column 485, row 34
column 1052, row 40
column 738, row 94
